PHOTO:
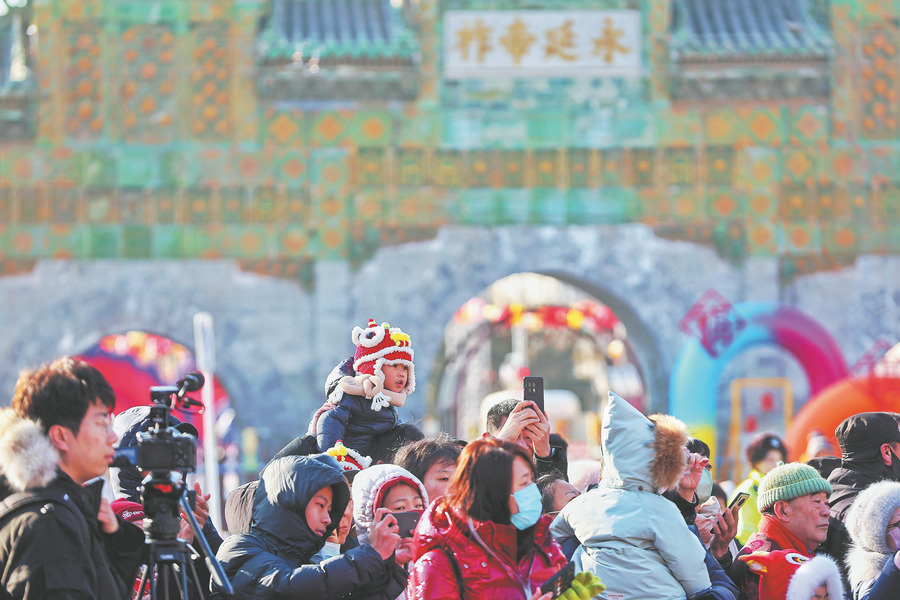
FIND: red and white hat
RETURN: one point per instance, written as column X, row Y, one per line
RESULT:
column 377, row 345
column 349, row 459
column 789, row 575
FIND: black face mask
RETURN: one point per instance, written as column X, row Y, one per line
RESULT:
column 893, row 469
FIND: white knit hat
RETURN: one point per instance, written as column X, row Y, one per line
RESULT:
column 370, row 487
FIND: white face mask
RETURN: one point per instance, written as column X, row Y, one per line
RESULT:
column 330, row 550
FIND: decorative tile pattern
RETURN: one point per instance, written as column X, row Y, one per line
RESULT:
column 881, row 83
column 680, row 166
column 154, row 141
column 210, row 103
column 284, row 127
column 147, row 72
column 411, row 167
column 84, row 84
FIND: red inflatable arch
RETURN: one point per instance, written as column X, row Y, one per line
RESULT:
column 825, row 411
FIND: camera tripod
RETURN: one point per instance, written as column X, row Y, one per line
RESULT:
column 169, row 558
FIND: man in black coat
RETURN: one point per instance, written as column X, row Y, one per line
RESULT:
column 298, row 504
column 870, row 452
column 60, row 538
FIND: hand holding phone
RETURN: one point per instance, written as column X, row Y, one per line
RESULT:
column 407, row 522
column 534, row 391
column 560, row 582
column 738, row 501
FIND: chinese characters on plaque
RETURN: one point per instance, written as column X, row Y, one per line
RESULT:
column 541, row 43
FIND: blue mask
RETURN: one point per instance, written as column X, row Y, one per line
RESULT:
column 330, row 550
column 529, row 501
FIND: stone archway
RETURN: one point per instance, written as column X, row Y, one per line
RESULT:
column 640, row 276
column 276, row 342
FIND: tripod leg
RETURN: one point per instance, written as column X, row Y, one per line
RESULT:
column 163, row 583
column 154, row 576
column 184, row 578
column 200, row 593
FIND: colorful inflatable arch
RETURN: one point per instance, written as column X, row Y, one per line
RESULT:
column 695, row 377
column 825, row 410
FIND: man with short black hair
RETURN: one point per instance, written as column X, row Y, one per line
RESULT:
column 870, row 452
column 525, row 424
column 59, row 538
column 556, row 492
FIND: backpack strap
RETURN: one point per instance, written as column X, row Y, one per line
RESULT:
column 456, row 571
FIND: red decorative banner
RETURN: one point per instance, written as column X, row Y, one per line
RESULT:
column 714, row 321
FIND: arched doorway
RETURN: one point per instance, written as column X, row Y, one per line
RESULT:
column 134, row 361
column 531, row 323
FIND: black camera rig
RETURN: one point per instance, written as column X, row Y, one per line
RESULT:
column 169, row 455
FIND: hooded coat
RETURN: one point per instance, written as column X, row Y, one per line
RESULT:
column 273, row 559
column 872, row 572
column 369, row 488
column 630, row 536
column 58, row 548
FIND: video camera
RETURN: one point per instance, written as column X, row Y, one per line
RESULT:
column 162, row 447
column 168, row 454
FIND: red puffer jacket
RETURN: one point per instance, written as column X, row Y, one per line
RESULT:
column 489, row 568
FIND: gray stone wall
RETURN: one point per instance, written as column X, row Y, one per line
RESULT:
column 276, row 343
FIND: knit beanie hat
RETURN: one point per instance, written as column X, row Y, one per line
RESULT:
column 790, row 481
column 871, row 513
column 789, row 575
column 860, row 436
column 377, row 345
column 762, row 445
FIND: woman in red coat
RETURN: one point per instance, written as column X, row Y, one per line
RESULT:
column 486, row 538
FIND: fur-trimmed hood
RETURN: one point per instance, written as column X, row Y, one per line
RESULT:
column 28, row 459
column 819, row 570
column 867, row 522
column 789, row 575
column 640, row 453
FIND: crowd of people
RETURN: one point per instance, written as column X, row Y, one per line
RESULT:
column 362, row 506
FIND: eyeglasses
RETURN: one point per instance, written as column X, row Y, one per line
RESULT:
column 893, row 525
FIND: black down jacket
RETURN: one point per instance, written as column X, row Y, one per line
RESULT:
column 273, row 559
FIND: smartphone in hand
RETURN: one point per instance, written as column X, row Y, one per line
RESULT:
column 738, row 501
column 560, row 582
column 534, row 391
column 407, row 522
